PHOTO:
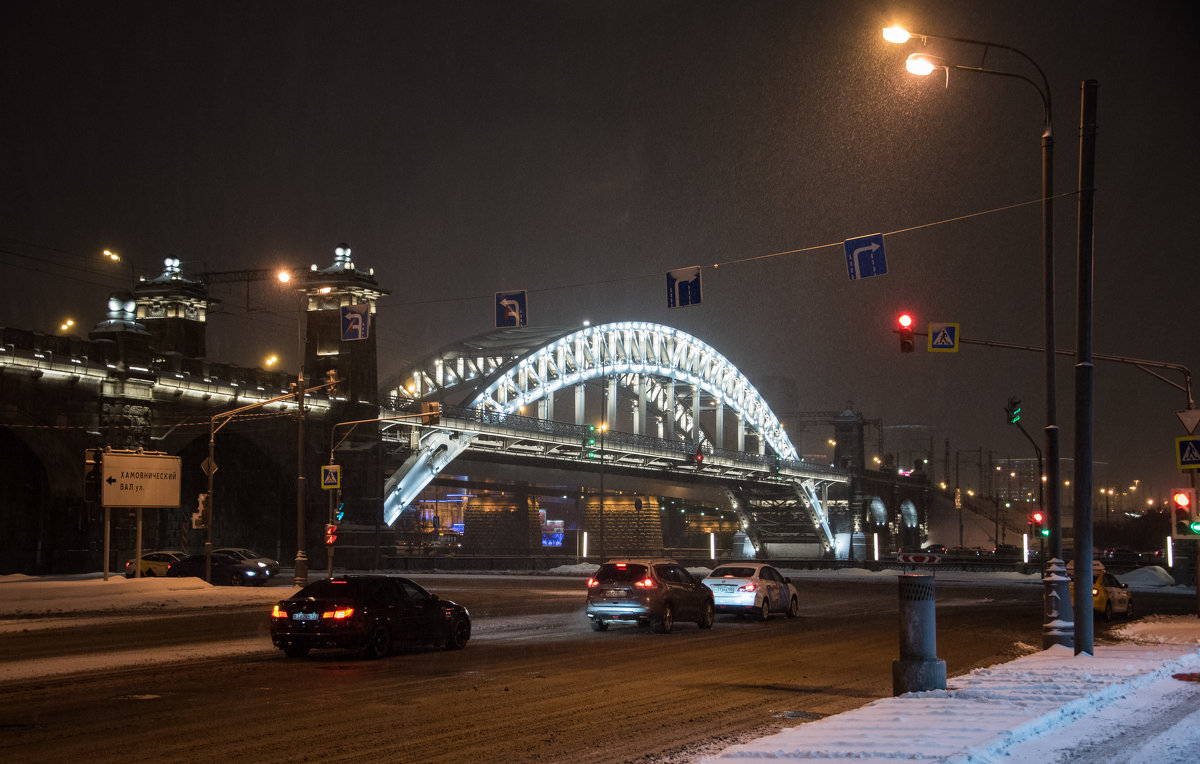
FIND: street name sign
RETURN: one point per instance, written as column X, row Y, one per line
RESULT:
column 139, row 480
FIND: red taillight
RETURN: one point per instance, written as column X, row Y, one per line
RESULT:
column 593, row 583
column 278, row 612
column 645, row 583
column 621, row 565
column 340, row 614
column 748, row 588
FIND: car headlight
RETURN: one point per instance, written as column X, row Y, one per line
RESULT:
column 262, row 565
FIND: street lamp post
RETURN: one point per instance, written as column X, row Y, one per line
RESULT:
column 301, row 577
column 1058, row 626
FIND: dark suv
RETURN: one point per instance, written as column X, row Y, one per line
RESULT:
column 647, row 592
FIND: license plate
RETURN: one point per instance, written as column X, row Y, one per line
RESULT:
column 304, row 616
column 614, row 593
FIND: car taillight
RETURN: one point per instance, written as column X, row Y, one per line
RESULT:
column 748, row 588
column 278, row 612
column 645, row 583
column 340, row 614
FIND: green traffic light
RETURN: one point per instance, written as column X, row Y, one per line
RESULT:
column 1194, row 526
column 1045, row 531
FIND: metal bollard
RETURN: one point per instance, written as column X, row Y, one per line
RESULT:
column 918, row 668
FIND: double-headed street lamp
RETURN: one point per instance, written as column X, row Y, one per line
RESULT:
column 1058, row 624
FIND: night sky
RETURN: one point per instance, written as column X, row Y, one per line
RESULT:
column 580, row 149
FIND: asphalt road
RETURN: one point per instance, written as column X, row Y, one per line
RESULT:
column 534, row 684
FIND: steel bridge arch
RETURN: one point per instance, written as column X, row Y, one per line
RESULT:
column 506, row 370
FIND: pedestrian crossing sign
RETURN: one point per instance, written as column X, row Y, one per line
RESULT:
column 1187, row 452
column 943, row 338
column 331, row 477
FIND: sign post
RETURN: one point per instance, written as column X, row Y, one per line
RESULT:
column 136, row 480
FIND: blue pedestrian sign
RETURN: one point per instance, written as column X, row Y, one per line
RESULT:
column 356, row 322
column 865, row 257
column 683, row 287
column 331, row 476
column 1187, row 453
column 943, row 338
column 511, row 309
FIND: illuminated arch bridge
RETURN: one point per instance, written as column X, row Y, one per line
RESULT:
column 654, row 395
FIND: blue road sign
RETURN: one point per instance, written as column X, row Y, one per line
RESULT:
column 511, row 309
column 943, row 338
column 356, row 322
column 865, row 257
column 683, row 287
column 1187, row 453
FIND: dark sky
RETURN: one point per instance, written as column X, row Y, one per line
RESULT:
column 581, row 149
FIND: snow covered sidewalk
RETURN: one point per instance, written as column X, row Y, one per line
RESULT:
column 988, row 714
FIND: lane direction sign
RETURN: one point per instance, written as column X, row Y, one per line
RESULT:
column 865, row 256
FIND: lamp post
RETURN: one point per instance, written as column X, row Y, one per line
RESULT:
column 116, row 258
column 301, row 577
column 1058, row 627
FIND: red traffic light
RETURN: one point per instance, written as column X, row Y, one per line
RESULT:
column 1038, row 517
column 699, row 455
column 1182, row 499
column 907, row 345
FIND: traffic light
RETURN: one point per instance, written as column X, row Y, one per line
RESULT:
column 1185, row 513
column 776, row 464
column 589, row 442
column 330, row 533
column 699, row 457
column 341, row 512
column 431, row 413
column 906, row 333
column 1038, row 520
column 1013, row 410
column 93, row 470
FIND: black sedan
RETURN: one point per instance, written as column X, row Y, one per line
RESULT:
column 226, row 570
column 367, row 614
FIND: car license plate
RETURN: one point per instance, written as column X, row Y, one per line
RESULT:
column 304, row 616
column 614, row 593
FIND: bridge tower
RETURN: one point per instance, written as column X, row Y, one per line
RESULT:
column 174, row 310
column 350, row 353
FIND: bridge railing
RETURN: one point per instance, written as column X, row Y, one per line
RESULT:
column 515, row 424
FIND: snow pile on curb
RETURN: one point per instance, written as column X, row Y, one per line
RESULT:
column 982, row 713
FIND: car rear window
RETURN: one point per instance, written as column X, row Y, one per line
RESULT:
column 328, row 588
column 732, row 573
column 621, row 573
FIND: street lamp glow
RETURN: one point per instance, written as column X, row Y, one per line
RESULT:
column 272, row 360
column 920, row 64
column 898, row 35
column 284, row 277
column 66, row 325
column 112, row 255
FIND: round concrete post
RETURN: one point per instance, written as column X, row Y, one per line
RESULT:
column 918, row 668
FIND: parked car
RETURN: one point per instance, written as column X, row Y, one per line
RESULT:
column 154, row 563
column 369, row 614
column 1109, row 595
column 226, row 570
column 647, row 592
column 270, row 567
column 754, row 589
